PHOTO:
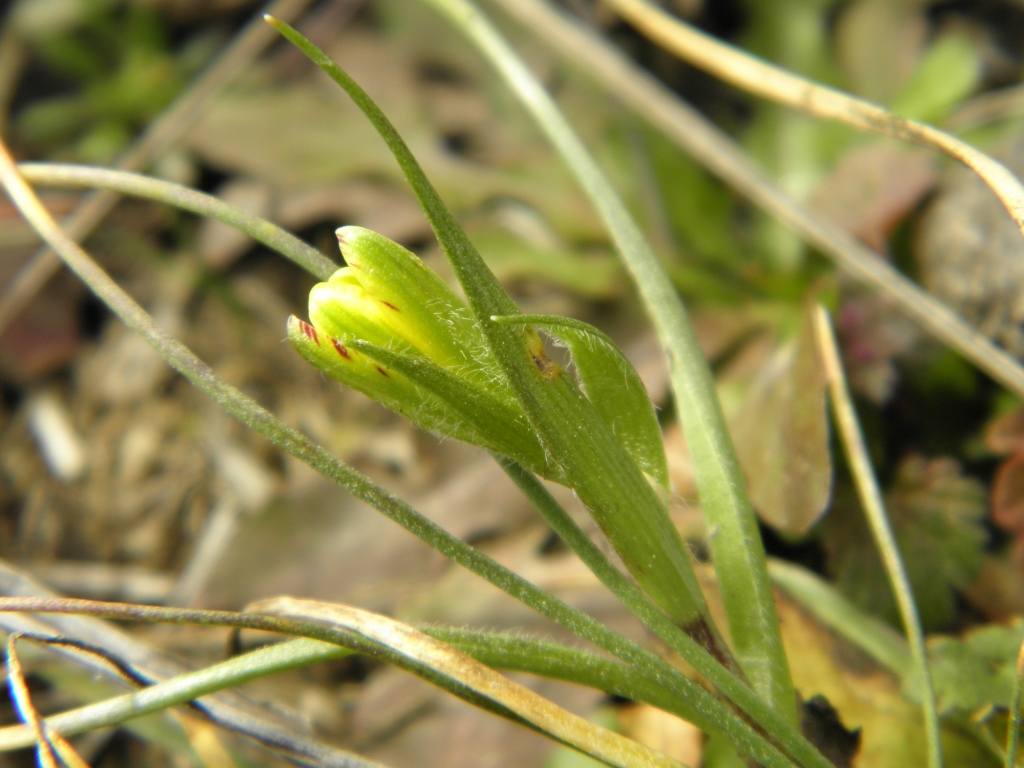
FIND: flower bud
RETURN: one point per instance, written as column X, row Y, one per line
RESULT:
column 417, row 304
column 389, row 327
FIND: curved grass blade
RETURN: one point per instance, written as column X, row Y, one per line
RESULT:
column 603, row 475
column 710, row 713
column 158, row 190
column 736, row 547
column 614, row 387
column 589, row 670
column 456, row 670
column 22, row 701
column 500, row 651
column 722, row 156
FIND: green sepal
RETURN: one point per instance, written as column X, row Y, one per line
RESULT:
column 342, row 361
column 503, row 427
column 613, row 387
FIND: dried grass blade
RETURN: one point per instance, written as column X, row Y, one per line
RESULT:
column 763, row 79
column 874, row 509
column 455, row 670
column 23, row 703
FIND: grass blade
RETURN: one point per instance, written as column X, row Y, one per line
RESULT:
column 736, row 546
column 456, row 671
column 169, row 193
column 26, row 710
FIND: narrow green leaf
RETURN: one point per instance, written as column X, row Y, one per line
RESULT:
column 613, row 386
column 187, row 199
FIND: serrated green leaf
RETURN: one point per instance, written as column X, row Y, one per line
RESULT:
column 937, row 516
column 975, row 672
column 613, row 386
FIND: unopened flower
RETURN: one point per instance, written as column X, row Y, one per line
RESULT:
column 391, row 328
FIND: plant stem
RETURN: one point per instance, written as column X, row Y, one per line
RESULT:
column 593, row 461
column 874, row 510
column 137, row 185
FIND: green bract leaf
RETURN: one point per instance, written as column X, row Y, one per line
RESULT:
column 391, row 389
column 613, row 386
column 936, row 515
column 502, row 426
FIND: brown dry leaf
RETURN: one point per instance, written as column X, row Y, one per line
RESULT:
column 1005, row 435
column 873, row 187
column 878, row 44
column 1008, row 496
column 781, row 436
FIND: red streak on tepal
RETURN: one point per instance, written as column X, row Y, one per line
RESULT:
column 341, row 349
column 310, row 332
